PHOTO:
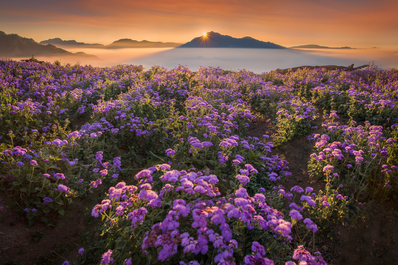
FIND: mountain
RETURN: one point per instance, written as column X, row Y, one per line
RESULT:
column 216, row 40
column 119, row 44
column 315, row 46
column 71, row 43
column 129, row 43
column 13, row 45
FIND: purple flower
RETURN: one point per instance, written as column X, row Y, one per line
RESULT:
column 104, row 172
column 47, row 200
column 20, row 164
column 96, row 183
column 164, row 167
column 308, row 199
column 301, row 254
column 62, row 188
column 33, row 163
column 117, row 163
column 310, row 225
column 241, row 192
column 170, row 152
column 243, row 179
column 297, row 189
column 147, row 195
column 106, row 257
column 200, row 189
column 257, row 248
column 144, row 174
column 128, row 261
column 328, row 168
column 325, row 204
column 81, row 251
column 65, row 262
column 207, row 144
column 60, row 176
column 295, row 215
column 308, row 190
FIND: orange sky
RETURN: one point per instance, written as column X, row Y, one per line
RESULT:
column 355, row 23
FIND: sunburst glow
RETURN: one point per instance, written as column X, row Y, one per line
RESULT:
column 204, row 34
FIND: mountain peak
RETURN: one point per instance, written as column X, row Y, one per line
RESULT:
column 216, row 40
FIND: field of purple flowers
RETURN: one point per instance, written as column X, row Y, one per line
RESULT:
column 178, row 177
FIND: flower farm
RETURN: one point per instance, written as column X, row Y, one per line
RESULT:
column 165, row 168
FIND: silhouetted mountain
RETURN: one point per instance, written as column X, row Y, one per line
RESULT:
column 13, row 45
column 315, row 46
column 119, row 44
column 216, row 40
column 71, row 43
column 129, row 43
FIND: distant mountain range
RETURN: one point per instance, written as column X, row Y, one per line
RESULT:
column 13, row 45
column 70, row 43
column 119, row 44
column 216, row 40
column 129, row 43
column 315, row 46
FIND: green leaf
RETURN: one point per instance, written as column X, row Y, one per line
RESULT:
column 61, row 212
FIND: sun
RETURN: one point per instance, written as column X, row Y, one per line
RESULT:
column 204, row 34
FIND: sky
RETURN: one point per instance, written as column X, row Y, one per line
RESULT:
column 355, row 23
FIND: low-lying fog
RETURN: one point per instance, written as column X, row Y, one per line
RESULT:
column 256, row 60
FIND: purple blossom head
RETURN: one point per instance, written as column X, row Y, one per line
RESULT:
column 308, row 190
column 243, row 179
column 96, row 183
column 207, row 144
column 297, row 189
column 301, row 254
column 241, row 192
column 63, row 188
column 164, row 167
column 81, row 251
column 99, row 156
column 104, row 172
column 144, row 174
column 106, row 257
column 60, row 176
column 295, row 215
column 20, row 164
column 325, row 204
column 257, row 248
column 47, row 200
column 33, row 163
column 170, row 152
column 147, row 195
column 311, row 225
